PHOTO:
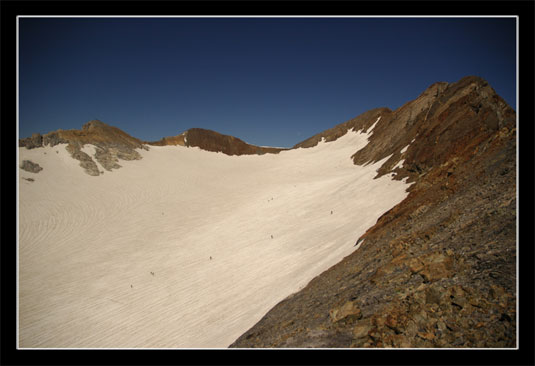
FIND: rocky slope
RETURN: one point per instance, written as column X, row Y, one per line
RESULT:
column 439, row 269
column 214, row 141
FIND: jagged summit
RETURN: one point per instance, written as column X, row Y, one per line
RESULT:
column 93, row 124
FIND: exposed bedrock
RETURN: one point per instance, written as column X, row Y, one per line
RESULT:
column 86, row 162
column 36, row 140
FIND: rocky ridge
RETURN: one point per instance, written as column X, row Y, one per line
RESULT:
column 438, row 269
column 214, row 141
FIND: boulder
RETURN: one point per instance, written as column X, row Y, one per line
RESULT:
column 30, row 166
column 436, row 266
column 361, row 329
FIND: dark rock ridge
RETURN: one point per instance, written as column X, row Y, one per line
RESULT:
column 30, row 166
column 438, row 269
column 111, row 144
column 214, row 141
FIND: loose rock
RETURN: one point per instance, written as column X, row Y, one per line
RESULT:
column 30, row 166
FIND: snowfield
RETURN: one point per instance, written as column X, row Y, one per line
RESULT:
column 184, row 248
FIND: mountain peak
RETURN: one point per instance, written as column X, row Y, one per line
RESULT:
column 111, row 144
column 94, row 123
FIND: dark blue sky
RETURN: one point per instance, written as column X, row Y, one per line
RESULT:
column 268, row 81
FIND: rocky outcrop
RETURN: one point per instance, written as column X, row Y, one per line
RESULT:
column 108, row 155
column 54, row 138
column 438, row 269
column 36, row 140
column 30, row 166
column 213, row 141
column 86, row 161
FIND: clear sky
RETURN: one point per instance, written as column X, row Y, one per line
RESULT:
column 268, row 81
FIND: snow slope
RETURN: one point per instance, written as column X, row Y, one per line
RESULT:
column 184, row 248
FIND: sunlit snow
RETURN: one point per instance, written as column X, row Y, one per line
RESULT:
column 184, row 248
